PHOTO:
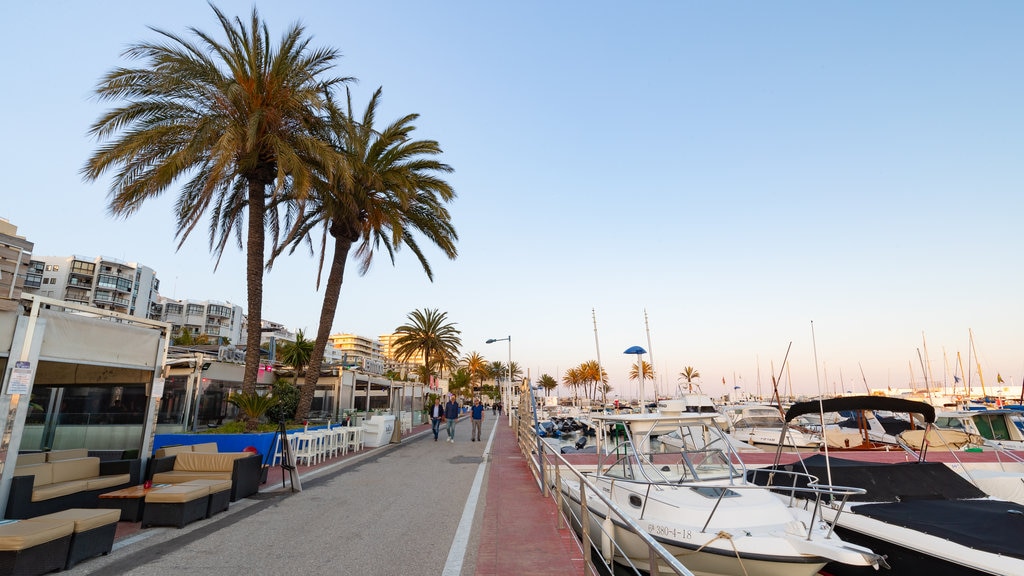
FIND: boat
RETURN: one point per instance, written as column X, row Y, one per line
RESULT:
column 698, row 504
column 922, row 516
column 997, row 427
column 763, row 426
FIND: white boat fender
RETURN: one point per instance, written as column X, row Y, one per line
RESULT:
column 607, row 538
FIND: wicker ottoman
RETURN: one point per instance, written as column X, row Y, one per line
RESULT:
column 35, row 547
column 93, row 535
column 175, row 505
column 220, row 494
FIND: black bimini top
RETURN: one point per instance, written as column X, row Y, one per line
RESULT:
column 861, row 403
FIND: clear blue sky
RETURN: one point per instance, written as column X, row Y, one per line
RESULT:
column 739, row 170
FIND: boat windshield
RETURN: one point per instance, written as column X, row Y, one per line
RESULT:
column 696, row 455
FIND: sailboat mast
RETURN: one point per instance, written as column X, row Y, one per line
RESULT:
column 977, row 361
column 650, row 355
column 600, row 370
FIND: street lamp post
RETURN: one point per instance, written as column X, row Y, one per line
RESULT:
column 640, row 372
column 506, row 392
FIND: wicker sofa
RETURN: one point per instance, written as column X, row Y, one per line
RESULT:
column 49, row 482
column 243, row 469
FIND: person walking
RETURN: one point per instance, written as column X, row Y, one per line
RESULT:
column 451, row 414
column 436, row 416
column 477, row 419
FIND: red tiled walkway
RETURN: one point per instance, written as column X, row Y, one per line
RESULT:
column 520, row 532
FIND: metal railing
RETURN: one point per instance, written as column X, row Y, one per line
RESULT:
column 555, row 476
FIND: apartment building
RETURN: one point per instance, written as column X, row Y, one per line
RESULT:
column 358, row 351
column 410, row 365
column 220, row 322
column 101, row 282
column 18, row 272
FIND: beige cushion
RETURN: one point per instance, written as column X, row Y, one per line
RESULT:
column 178, row 476
column 206, row 461
column 54, row 455
column 33, row 458
column 171, row 451
column 215, row 485
column 57, row 489
column 42, row 472
column 107, row 481
column 75, row 469
column 177, row 493
column 205, row 447
column 23, row 534
column 83, row 518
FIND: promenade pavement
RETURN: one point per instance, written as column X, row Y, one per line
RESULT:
column 415, row 507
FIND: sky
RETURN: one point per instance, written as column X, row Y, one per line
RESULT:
column 716, row 182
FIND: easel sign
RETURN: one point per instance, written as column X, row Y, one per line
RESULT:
column 288, row 461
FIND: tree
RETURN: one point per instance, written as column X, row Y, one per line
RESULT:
column 429, row 333
column 592, row 377
column 383, row 188
column 689, row 374
column 296, row 354
column 460, row 383
column 252, row 406
column 184, row 338
column 547, row 382
column 477, row 367
column 498, row 371
column 241, row 118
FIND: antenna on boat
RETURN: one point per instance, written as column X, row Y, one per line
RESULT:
column 821, row 408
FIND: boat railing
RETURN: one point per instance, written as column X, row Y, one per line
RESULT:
column 549, row 467
column 806, row 487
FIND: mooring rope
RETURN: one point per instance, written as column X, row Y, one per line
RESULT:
column 726, row 536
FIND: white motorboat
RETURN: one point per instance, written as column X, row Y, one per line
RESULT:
column 697, row 503
column 923, row 516
column 762, row 426
column 997, row 427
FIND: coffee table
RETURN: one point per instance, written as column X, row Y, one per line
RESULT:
column 130, row 501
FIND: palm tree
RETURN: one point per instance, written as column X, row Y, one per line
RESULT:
column 477, row 367
column 572, row 380
column 648, row 373
column 517, row 372
column 547, row 382
column 384, row 188
column 241, row 119
column 429, row 333
column 296, row 354
column 460, row 383
column 498, row 371
column 252, row 407
column 689, row 374
column 593, row 378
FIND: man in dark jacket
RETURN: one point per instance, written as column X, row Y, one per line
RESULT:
column 436, row 416
column 451, row 414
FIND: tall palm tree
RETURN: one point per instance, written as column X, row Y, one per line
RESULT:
column 240, row 118
column 477, row 366
column 547, row 382
column 592, row 377
column 429, row 333
column 648, row 373
column 498, row 371
column 384, row 189
column 296, row 354
column 689, row 373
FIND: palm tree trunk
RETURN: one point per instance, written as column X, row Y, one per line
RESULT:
column 332, row 291
column 254, row 286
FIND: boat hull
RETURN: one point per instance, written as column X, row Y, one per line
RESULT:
column 705, row 554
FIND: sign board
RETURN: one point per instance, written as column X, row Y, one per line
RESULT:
column 158, row 388
column 21, row 378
